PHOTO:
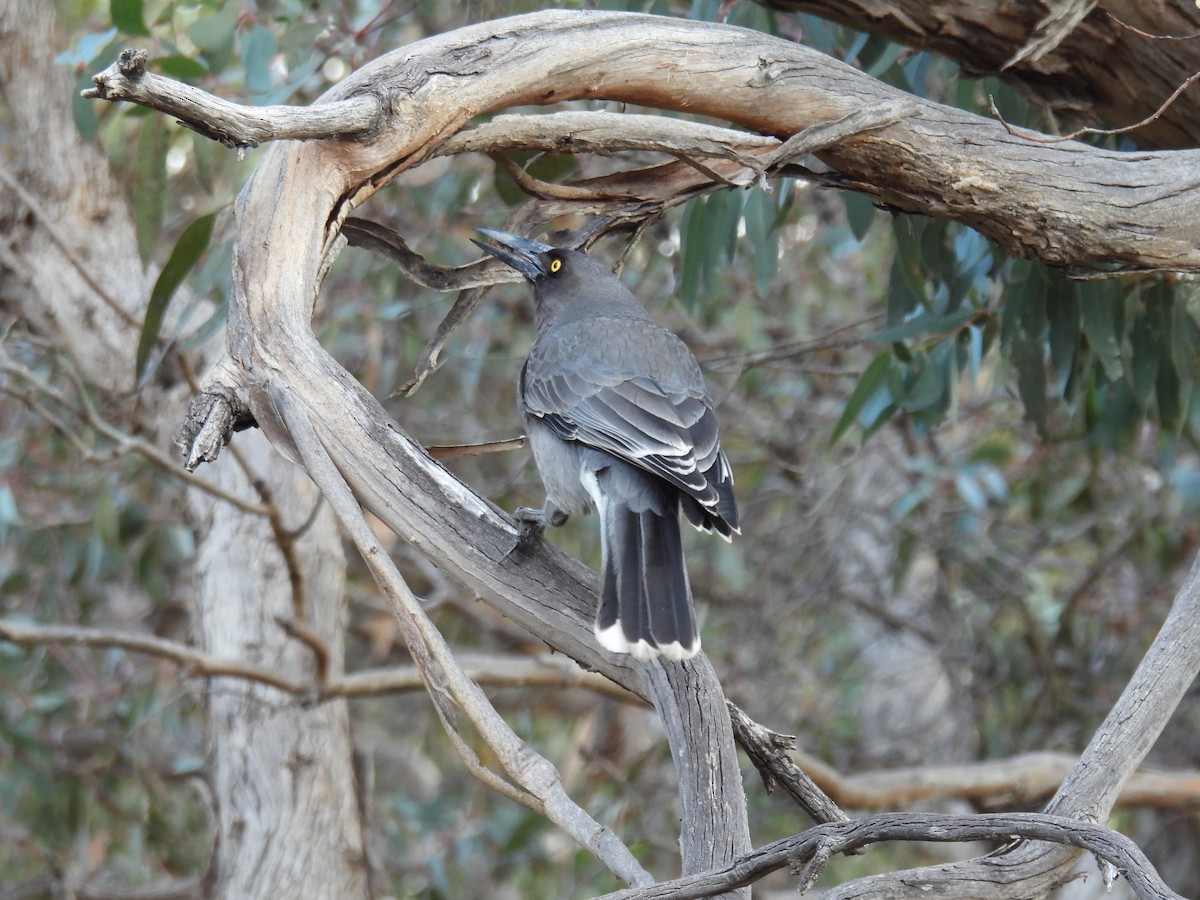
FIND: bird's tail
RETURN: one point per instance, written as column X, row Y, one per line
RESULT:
column 646, row 601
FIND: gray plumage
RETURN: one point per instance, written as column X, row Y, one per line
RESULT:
column 620, row 421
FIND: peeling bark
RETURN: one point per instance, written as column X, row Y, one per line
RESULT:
column 1094, row 72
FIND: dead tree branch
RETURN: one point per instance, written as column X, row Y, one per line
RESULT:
column 232, row 124
column 821, row 842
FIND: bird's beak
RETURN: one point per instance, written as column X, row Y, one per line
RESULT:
column 522, row 254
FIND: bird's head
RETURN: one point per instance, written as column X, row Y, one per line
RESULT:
column 546, row 266
column 565, row 282
column 531, row 258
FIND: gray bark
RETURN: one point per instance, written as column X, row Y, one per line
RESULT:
column 280, row 773
column 1068, row 56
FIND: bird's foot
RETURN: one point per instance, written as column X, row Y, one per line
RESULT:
column 532, row 526
column 533, row 523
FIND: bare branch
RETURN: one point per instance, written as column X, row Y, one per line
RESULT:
column 547, row 670
column 232, row 124
column 545, row 190
column 462, row 451
column 768, row 751
column 607, row 133
column 820, row 843
column 1023, row 780
column 195, row 662
column 123, row 443
column 1154, row 37
column 388, row 243
column 939, row 161
column 1092, row 786
column 55, row 884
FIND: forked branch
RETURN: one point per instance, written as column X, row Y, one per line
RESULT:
column 808, row 852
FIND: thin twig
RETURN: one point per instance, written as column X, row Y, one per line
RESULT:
column 381, row 239
column 463, row 451
column 1154, row 37
column 55, row 884
column 195, row 662
column 546, row 671
column 314, row 642
column 1058, row 139
column 123, row 443
column 545, row 190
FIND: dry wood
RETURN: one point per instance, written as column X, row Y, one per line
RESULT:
column 808, row 852
column 1100, row 70
column 230, row 123
column 1066, row 204
column 1090, row 789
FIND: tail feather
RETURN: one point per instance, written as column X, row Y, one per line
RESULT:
column 645, row 601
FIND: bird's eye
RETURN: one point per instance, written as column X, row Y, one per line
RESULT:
column 555, row 265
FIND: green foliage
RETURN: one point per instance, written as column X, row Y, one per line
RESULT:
column 1075, row 346
column 188, row 250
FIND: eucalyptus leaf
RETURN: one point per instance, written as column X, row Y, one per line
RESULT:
column 149, row 200
column 868, row 386
column 128, row 16
column 860, row 213
column 1028, row 357
column 1062, row 315
column 258, row 50
column 1099, row 319
column 1147, row 348
column 188, row 249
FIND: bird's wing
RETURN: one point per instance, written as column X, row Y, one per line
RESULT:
column 670, row 431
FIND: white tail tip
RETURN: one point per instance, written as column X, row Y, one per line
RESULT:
column 613, row 639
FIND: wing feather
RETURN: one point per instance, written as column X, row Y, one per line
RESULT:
column 662, row 422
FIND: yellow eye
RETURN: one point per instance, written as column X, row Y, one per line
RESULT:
column 555, row 265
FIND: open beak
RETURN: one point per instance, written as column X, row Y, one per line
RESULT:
column 522, row 254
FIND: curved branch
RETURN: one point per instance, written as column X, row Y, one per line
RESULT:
column 492, row 670
column 232, row 124
column 1023, row 780
column 1102, row 68
column 444, row 678
column 820, row 843
column 1069, row 204
column 1091, row 788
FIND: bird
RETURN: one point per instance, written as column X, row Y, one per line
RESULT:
column 621, row 422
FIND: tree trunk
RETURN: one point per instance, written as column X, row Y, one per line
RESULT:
column 288, row 820
column 281, row 774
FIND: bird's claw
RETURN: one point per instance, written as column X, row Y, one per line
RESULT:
column 531, row 517
column 532, row 525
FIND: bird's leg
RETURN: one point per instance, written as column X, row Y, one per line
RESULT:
column 534, row 521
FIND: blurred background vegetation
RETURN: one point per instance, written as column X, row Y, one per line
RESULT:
column 969, row 485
